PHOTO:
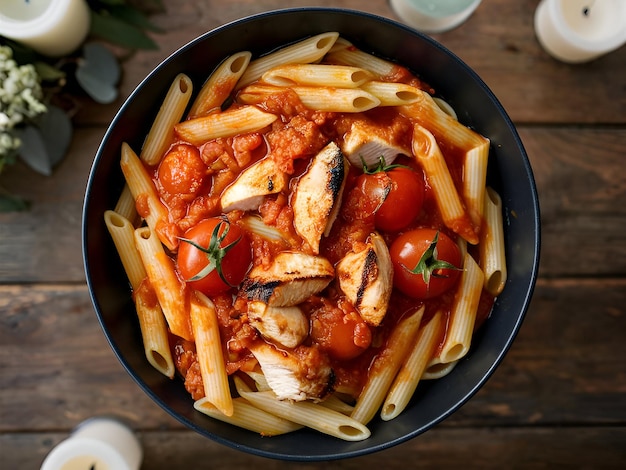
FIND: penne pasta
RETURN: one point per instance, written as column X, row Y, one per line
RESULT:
column 125, row 205
column 123, row 234
column 220, row 84
column 385, row 366
column 474, row 180
column 441, row 124
column 224, row 124
column 303, row 52
column 428, row 154
column 413, row 367
column 392, row 94
column 444, row 126
column 463, row 312
column 151, row 321
column 346, row 54
column 144, row 193
column 446, row 108
column 322, row 75
column 167, row 286
column 437, row 369
column 209, row 352
column 154, row 331
column 248, row 416
column 161, row 134
column 346, row 100
column 337, row 404
column 311, row 415
column 492, row 253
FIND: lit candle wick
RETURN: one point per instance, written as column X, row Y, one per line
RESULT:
column 587, row 9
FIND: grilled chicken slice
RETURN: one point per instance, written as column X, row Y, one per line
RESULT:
column 366, row 144
column 303, row 373
column 366, row 278
column 283, row 326
column 253, row 184
column 317, row 195
column 291, row 278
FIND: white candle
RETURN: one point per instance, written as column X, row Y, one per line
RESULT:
column 51, row 27
column 97, row 444
column 580, row 30
column 434, row 16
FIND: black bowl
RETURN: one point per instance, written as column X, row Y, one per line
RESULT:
column 509, row 172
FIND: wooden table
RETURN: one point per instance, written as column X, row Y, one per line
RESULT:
column 557, row 401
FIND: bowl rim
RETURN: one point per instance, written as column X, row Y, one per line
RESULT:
column 512, row 333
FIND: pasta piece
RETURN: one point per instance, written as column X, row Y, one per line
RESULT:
column 346, row 100
column 143, row 191
column 437, row 369
column 151, row 321
column 209, row 352
column 346, row 54
column 125, row 205
column 474, row 146
column 161, row 134
column 225, row 124
column 303, row 52
column 444, row 126
column 248, row 417
column 123, row 234
column 324, row 75
column 337, row 404
column 446, row 108
column 154, row 331
column 311, row 415
column 220, row 84
column 492, row 254
column 463, row 312
column 474, row 180
column 413, row 367
column 385, row 366
column 428, row 154
column 167, row 286
column 392, row 94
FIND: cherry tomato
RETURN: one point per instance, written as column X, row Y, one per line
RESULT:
column 343, row 335
column 214, row 256
column 182, row 171
column 426, row 263
column 395, row 194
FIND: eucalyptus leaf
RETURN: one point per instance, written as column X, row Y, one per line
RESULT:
column 118, row 32
column 98, row 73
column 56, row 131
column 33, row 150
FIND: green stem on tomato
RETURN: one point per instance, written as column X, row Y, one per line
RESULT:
column 429, row 263
column 215, row 253
column 381, row 167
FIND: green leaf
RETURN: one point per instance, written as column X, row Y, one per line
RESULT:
column 118, row 32
column 33, row 150
column 47, row 72
column 134, row 17
column 56, row 131
column 98, row 73
column 10, row 203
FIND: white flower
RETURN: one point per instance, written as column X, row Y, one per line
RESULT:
column 20, row 100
